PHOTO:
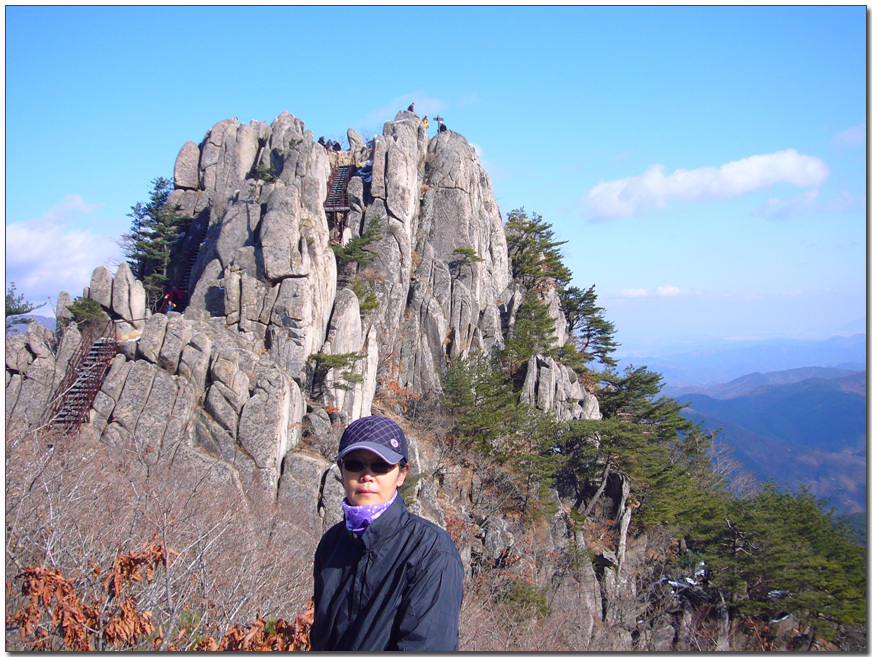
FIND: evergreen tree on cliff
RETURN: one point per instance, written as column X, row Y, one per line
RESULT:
column 154, row 230
column 16, row 306
column 536, row 258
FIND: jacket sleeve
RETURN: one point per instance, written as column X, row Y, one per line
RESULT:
column 429, row 615
column 316, row 634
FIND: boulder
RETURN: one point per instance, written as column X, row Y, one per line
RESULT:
column 121, row 287
column 100, row 289
column 194, row 361
column 220, row 409
column 186, row 172
column 113, row 382
column 18, row 356
column 357, row 146
column 280, row 234
column 298, row 490
column 62, row 313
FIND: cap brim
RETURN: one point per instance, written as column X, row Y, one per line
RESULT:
column 381, row 451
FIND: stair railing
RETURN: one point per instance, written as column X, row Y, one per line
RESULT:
column 93, row 331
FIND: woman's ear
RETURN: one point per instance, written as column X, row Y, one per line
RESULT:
column 402, row 475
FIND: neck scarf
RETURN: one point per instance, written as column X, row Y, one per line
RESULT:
column 358, row 518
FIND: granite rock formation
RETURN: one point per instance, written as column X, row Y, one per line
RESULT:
column 233, row 383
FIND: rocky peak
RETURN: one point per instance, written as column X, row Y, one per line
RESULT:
column 275, row 333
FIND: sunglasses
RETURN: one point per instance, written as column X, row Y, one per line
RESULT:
column 378, row 467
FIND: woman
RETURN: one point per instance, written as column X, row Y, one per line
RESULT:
column 385, row 579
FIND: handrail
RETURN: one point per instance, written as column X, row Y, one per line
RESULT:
column 93, row 332
column 89, row 336
column 92, row 378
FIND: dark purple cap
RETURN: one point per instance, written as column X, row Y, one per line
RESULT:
column 376, row 434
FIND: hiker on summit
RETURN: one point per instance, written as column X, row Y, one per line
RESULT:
column 385, row 579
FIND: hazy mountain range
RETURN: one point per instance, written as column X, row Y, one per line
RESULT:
column 48, row 322
column 718, row 361
column 805, row 426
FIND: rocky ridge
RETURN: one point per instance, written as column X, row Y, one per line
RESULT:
column 227, row 384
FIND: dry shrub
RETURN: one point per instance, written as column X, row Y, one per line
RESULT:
column 74, row 507
column 499, row 615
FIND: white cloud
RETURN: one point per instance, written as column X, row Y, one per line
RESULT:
column 853, row 136
column 632, row 293
column 655, row 188
column 669, row 291
column 57, row 251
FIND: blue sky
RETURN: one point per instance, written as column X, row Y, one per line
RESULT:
column 707, row 166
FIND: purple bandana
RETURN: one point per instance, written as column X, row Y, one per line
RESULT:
column 358, row 518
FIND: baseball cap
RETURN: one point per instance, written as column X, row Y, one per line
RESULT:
column 377, row 434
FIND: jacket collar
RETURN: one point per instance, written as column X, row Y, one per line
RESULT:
column 386, row 525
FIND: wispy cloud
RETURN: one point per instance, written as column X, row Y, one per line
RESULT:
column 844, row 202
column 627, row 197
column 661, row 291
column 778, row 209
column 809, row 201
column 57, row 251
column 851, row 137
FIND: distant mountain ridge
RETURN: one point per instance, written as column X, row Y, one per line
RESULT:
column 801, row 426
column 750, row 382
column 722, row 361
column 49, row 322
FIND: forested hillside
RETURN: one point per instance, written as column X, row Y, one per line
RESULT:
column 280, row 291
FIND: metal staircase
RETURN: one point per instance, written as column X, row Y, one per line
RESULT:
column 337, row 206
column 337, row 198
column 192, row 254
column 82, row 381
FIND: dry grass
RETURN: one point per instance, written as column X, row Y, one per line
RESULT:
column 77, row 505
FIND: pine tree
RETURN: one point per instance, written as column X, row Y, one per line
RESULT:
column 16, row 306
column 357, row 250
column 532, row 333
column 155, row 228
column 593, row 336
column 536, row 258
column 479, row 395
column 780, row 553
column 535, row 452
column 647, row 440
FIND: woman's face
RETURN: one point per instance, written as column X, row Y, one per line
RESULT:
column 364, row 488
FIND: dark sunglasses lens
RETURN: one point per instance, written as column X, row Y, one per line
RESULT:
column 379, row 467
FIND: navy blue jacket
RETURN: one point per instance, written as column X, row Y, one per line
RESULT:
column 397, row 586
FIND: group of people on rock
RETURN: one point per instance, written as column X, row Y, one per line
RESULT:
column 330, row 145
column 426, row 122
